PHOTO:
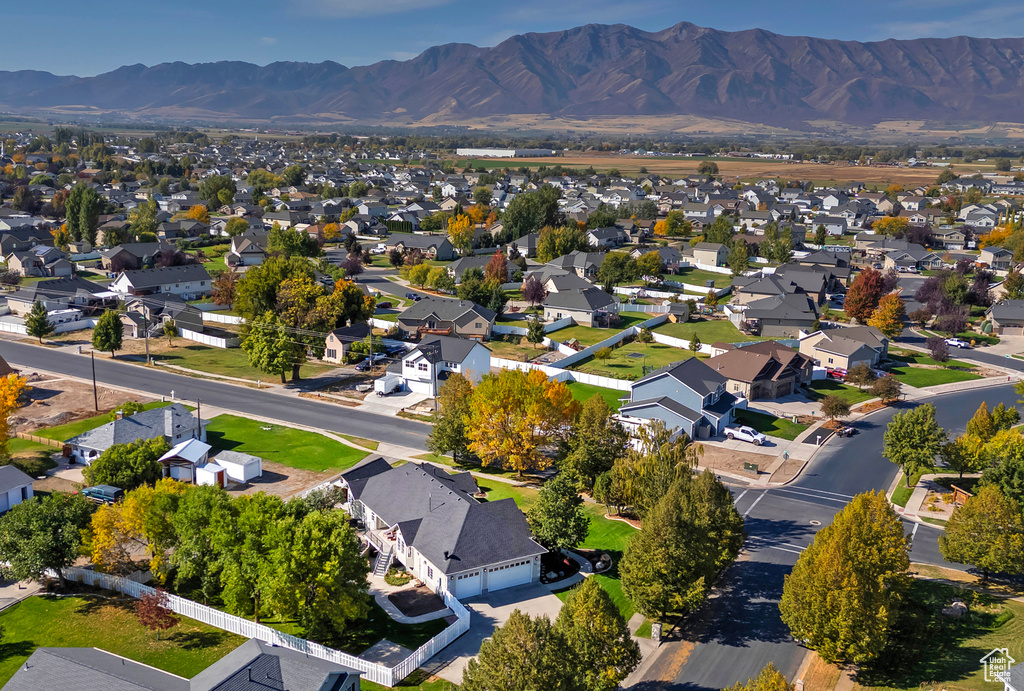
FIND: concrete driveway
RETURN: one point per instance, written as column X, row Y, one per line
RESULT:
column 392, row 403
column 488, row 612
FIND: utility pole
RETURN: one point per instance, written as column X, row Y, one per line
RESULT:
column 145, row 330
column 95, row 394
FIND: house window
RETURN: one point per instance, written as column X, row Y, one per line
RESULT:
column 331, row 353
column 479, row 325
column 410, row 364
column 422, row 367
column 830, row 361
column 430, row 572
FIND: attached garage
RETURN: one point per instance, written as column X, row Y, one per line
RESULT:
column 466, row 584
column 509, row 575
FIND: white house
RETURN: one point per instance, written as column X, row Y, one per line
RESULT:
column 190, row 281
column 15, row 487
column 426, row 367
column 174, row 423
column 429, row 521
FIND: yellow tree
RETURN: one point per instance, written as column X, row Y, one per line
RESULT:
column 61, row 236
column 478, row 213
column 460, row 232
column 11, row 388
column 891, row 225
column 514, row 415
column 198, row 213
column 138, row 523
column 330, row 231
column 888, row 316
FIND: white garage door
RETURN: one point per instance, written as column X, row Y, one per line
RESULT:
column 508, row 576
column 467, row 585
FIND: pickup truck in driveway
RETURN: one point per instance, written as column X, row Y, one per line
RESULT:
column 744, row 433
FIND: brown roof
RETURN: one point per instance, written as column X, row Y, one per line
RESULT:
column 763, row 361
column 5, row 369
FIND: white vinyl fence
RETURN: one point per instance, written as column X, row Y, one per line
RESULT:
column 14, row 325
column 377, row 673
column 217, row 318
column 522, row 330
column 207, row 339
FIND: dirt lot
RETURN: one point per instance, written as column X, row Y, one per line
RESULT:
column 742, row 168
column 727, row 460
column 56, row 401
column 282, row 481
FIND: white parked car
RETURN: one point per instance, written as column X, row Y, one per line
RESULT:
column 744, row 433
column 957, row 343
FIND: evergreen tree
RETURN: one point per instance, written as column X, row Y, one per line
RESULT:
column 36, row 322
column 557, row 519
column 739, row 258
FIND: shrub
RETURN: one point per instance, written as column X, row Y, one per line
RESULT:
column 603, row 353
column 397, row 576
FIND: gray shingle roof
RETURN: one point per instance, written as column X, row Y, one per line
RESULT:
column 258, row 666
column 692, row 372
column 587, row 300
column 89, row 669
column 150, row 278
column 448, row 348
column 1015, row 677
column 11, row 477
column 438, row 516
column 1007, row 310
column 663, row 402
column 149, row 424
column 445, row 310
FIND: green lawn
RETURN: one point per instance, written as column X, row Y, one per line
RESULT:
column 110, row 625
column 582, row 392
column 910, row 356
column 588, row 336
column 520, row 352
column 769, row 424
column 901, row 495
column 607, row 535
column 387, row 316
column 228, row 362
column 920, row 376
column 294, row 448
column 621, row 364
column 73, row 429
column 830, row 387
column 698, row 276
column 708, row 331
column 968, row 336
column 938, row 652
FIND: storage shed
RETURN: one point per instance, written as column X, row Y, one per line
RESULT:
column 211, row 474
column 240, row 467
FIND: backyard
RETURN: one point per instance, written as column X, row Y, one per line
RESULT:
column 111, row 625
column 294, row 448
column 228, row 362
column 708, row 331
column 628, row 361
column 581, row 392
column 588, row 335
column 697, row 277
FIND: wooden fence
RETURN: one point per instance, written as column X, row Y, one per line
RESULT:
column 40, row 440
column 372, row 671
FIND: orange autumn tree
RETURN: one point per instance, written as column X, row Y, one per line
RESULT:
column 514, row 415
column 11, row 388
column 198, row 213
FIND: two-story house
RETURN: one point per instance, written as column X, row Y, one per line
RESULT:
column 710, row 253
column 442, row 316
column 688, row 396
column 430, row 522
column 425, row 368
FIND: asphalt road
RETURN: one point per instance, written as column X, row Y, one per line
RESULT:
column 741, row 630
column 246, row 401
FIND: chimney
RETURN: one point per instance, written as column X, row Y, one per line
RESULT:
column 119, row 415
column 169, row 422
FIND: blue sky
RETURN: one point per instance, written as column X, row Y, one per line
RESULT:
column 85, row 38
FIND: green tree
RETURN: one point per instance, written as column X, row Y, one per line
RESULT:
column 256, row 293
column 709, row 168
column 913, row 439
column 524, row 654
column 711, row 299
column 834, row 407
column 82, row 211
column 142, row 219
column 695, row 344
column 649, row 467
column 842, row 598
column 37, row 324
column 987, row 532
column 128, row 465
column 449, row 432
column 597, row 441
column 269, row 346
column 246, row 547
column 1005, row 418
column 482, row 195
column 1013, row 285
column 616, row 268
column 739, row 258
column 126, row 409
column 861, row 375
column 319, row 575
column 200, row 512
column 109, row 333
column 693, row 532
column 558, row 520
column 820, row 234
column 236, row 226
column 43, row 534
column 211, row 187
column 603, row 652
column 982, row 425
column 531, row 211
column 289, row 242
column 535, row 330
column 959, row 457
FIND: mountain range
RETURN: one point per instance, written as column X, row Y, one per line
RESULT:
column 583, row 73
